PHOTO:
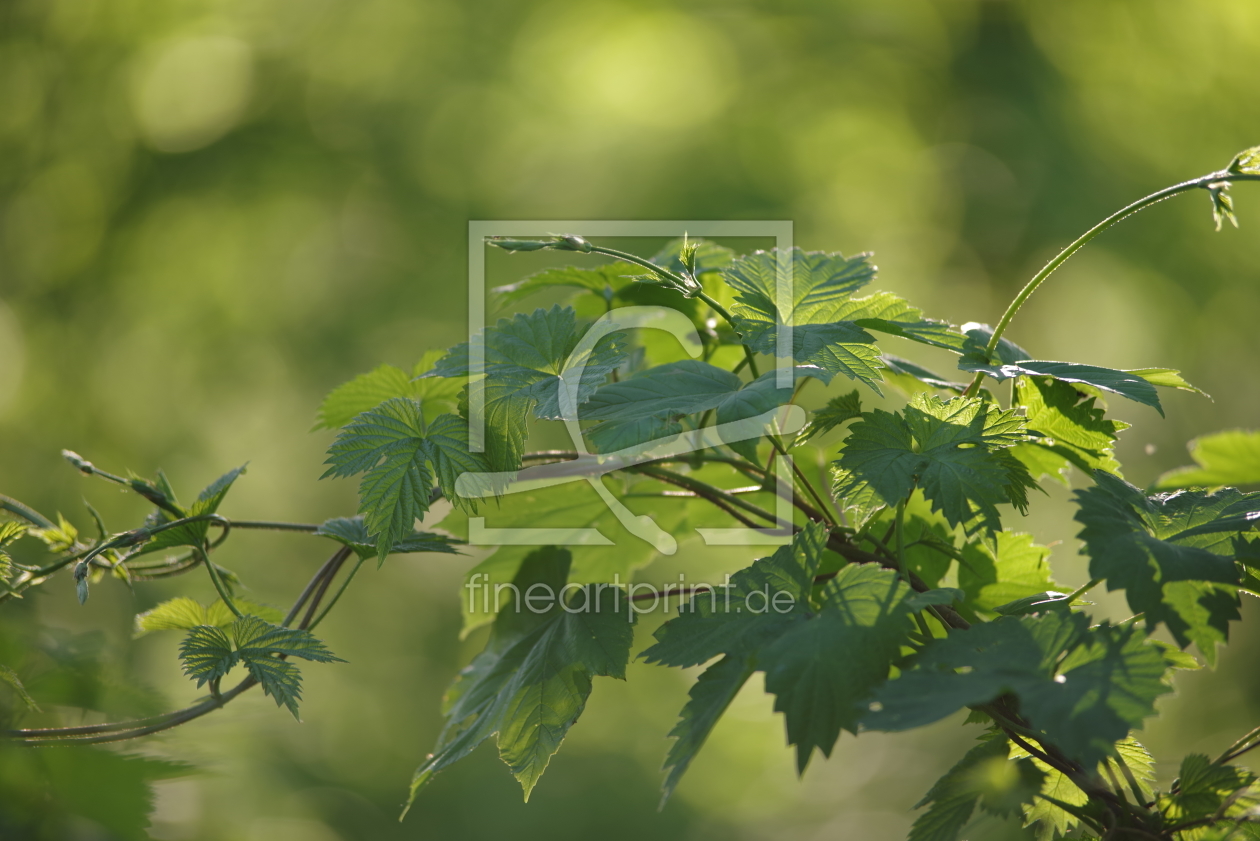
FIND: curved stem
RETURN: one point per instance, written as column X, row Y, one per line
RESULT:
column 1060, row 258
column 8, row 503
column 218, row 583
column 336, row 596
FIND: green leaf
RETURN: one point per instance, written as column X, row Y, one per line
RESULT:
column 1085, row 688
column 985, row 776
column 838, row 410
column 1125, row 383
column 1246, row 162
column 10, row 531
column 823, row 671
column 525, row 358
column 59, row 539
column 1203, row 788
column 1223, row 458
column 256, row 638
column 602, row 280
column 352, row 532
column 822, row 665
column 1053, row 822
column 11, row 678
column 888, row 313
column 733, row 620
column 821, row 285
column 707, row 257
column 370, row 390
column 182, row 614
column 709, row 697
column 952, row 449
column 207, row 654
column 194, row 534
column 1171, row 553
column 906, row 376
column 531, row 682
column 1004, row 568
column 401, row 457
column 281, row 680
column 1066, row 428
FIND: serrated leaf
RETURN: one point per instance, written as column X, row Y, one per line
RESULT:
column 59, row 539
column 648, row 405
column 525, row 358
column 10, row 531
column 952, row 449
column 838, row 410
column 279, row 679
column 1231, row 457
column 352, row 532
column 822, row 665
column 1066, row 428
column 708, row 699
column 532, row 681
column 1004, row 568
column 1085, row 688
column 256, row 638
column 891, row 314
column 983, row 776
column 1171, row 553
column 369, row 390
column 724, row 621
column 207, row 654
column 1203, row 788
column 401, row 457
column 823, row 671
column 821, row 285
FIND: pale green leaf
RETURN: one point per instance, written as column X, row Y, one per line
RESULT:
column 1231, row 457
column 1006, row 567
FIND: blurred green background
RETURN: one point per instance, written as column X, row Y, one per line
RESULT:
column 213, row 211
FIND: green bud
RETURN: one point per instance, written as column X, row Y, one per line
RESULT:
column 573, row 242
column 78, row 461
column 519, row 244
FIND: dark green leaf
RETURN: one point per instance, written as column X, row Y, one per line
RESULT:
column 279, row 679
column 532, row 681
column 525, row 358
column 739, row 620
column 838, row 410
column 1124, row 383
column 823, row 671
column 256, row 638
column 352, row 532
column 207, row 654
column 1171, row 553
column 952, row 449
column 1223, row 458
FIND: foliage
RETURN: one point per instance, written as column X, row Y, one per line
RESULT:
column 899, row 601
